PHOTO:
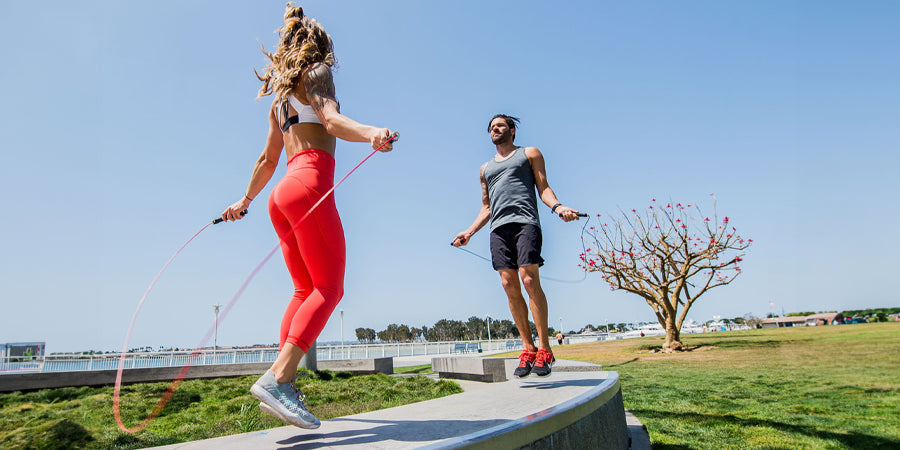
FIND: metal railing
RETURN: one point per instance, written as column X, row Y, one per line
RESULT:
column 110, row 361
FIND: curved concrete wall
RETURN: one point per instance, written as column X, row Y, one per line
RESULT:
column 594, row 419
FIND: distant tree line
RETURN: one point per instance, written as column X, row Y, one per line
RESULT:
column 475, row 328
column 872, row 315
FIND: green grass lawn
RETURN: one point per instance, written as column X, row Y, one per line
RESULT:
column 421, row 369
column 70, row 418
column 789, row 388
column 818, row 388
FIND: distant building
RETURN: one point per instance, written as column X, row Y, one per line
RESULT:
column 803, row 321
column 824, row 319
column 22, row 350
column 781, row 322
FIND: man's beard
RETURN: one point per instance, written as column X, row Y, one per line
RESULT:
column 501, row 139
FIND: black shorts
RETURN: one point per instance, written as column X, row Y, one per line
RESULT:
column 515, row 245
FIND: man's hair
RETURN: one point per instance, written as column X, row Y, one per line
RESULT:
column 510, row 121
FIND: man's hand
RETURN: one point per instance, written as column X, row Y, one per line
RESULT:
column 461, row 239
column 567, row 214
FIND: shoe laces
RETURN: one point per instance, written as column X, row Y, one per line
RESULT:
column 526, row 357
column 543, row 357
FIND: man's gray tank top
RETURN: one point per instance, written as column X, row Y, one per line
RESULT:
column 511, row 190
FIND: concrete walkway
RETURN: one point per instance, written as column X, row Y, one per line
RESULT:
column 434, row 423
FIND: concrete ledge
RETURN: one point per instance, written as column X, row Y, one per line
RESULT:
column 493, row 370
column 489, row 370
column 360, row 366
column 34, row 381
column 569, row 409
column 595, row 420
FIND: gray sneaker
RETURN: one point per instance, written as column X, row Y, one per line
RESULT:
column 283, row 400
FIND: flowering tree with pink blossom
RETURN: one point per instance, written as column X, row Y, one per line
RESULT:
column 670, row 255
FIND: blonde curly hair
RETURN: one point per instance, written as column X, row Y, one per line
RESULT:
column 302, row 42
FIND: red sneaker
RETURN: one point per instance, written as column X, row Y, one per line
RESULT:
column 543, row 362
column 526, row 362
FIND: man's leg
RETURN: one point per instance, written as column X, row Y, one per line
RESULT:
column 532, row 281
column 510, row 280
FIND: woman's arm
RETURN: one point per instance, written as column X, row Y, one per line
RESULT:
column 319, row 85
column 262, row 171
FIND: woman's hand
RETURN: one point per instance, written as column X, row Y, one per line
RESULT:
column 233, row 212
column 379, row 138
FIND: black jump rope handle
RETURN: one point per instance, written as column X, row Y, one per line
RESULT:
column 220, row 220
column 463, row 241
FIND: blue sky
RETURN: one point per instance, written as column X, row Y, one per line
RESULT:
column 126, row 126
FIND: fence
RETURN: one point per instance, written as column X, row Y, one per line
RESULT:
column 81, row 362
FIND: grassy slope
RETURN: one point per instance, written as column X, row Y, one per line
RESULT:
column 821, row 387
column 82, row 417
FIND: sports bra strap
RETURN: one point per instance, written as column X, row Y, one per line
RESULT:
column 288, row 121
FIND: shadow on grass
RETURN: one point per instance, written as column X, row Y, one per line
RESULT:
column 735, row 343
column 622, row 363
column 849, row 440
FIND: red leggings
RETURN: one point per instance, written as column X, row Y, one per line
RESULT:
column 314, row 249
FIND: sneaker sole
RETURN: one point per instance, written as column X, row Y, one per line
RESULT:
column 266, row 399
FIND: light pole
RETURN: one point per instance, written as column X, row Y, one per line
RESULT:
column 342, row 332
column 489, row 329
column 216, row 334
column 560, row 324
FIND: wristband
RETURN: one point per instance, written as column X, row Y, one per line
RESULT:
column 248, row 198
column 553, row 208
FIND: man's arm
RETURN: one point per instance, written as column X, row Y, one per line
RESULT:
column 543, row 187
column 483, row 215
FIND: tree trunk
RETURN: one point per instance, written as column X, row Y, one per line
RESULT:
column 673, row 337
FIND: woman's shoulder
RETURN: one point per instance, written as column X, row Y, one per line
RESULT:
column 317, row 70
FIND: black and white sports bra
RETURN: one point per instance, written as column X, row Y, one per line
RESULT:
column 305, row 114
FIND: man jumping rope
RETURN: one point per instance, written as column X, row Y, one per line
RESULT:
column 508, row 199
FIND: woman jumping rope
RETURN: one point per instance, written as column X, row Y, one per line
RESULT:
column 304, row 119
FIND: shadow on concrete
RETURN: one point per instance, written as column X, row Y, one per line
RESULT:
column 853, row 440
column 551, row 384
column 397, row 430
